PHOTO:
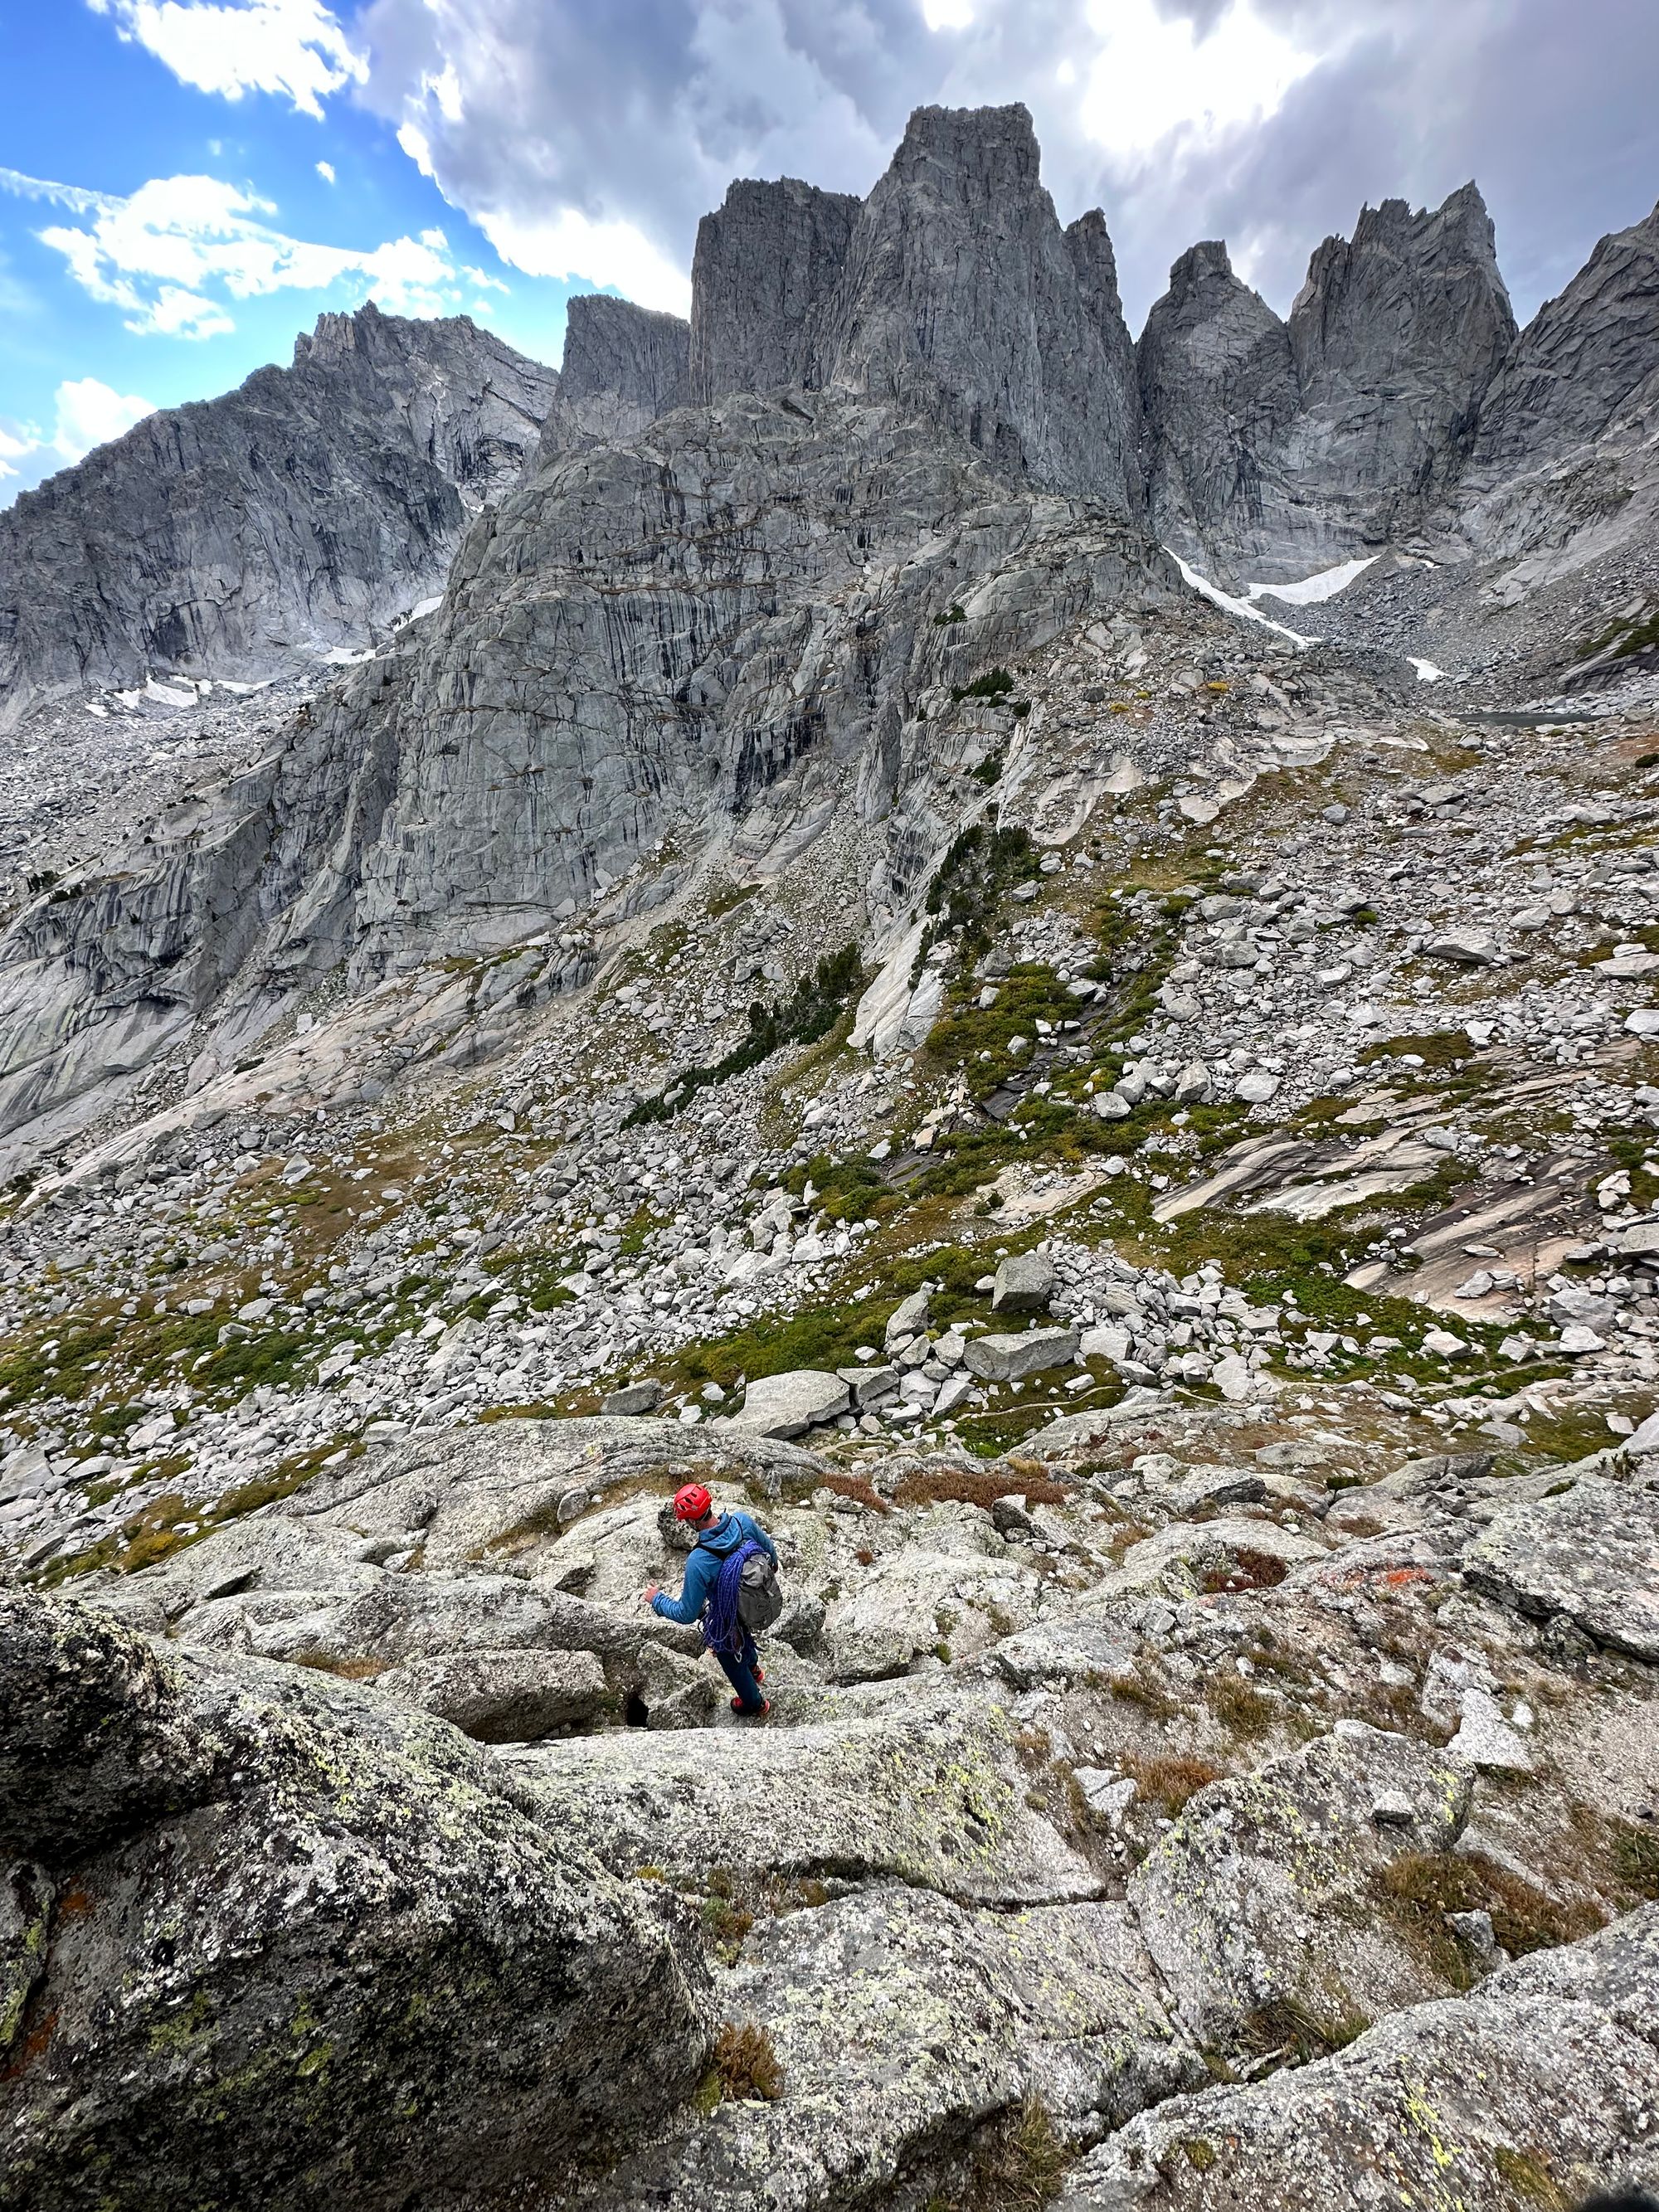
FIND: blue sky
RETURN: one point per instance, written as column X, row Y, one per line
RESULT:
column 81, row 106
column 185, row 184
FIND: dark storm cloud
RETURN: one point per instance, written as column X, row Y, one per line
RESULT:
column 1549, row 107
column 640, row 111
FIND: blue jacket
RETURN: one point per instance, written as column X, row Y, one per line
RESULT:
column 702, row 1570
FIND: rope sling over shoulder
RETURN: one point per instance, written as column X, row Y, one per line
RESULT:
column 748, row 1597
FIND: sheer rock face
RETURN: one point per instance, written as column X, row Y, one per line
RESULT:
column 624, row 367
column 953, row 291
column 764, row 261
column 1564, row 464
column 721, row 628
column 1219, row 389
column 1397, row 335
column 248, row 534
column 962, row 299
column 1583, row 360
column 1297, row 444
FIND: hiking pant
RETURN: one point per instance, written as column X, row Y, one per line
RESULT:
column 740, row 1672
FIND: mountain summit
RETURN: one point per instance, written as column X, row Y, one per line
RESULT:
column 241, row 536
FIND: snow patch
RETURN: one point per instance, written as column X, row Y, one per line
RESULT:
column 1241, row 608
column 1313, row 589
column 1310, row 592
column 170, row 694
column 417, row 613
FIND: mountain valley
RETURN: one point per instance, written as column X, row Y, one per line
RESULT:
column 1033, row 953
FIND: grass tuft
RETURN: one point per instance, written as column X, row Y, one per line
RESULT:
column 1238, row 1708
column 1171, row 1780
column 1419, row 1888
column 954, row 1486
column 1019, row 2165
column 746, row 2068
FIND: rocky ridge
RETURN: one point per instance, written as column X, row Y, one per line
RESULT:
column 282, row 523
column 765, row 259
column 724, row 691
column 1400, row 406
column 1288, row 445
column 1126, row 1134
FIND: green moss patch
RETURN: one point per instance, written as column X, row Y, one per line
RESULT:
column 172, row 1522
column 976, row 1038
column 810, row 1011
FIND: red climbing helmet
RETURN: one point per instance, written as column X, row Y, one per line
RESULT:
column 692, row 1502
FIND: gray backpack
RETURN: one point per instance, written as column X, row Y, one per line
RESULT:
column 760, row 1594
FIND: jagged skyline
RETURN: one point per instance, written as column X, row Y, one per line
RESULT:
column 223, row 170
column 1392, row 408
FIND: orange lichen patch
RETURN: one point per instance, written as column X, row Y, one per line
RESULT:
column 32, row 2047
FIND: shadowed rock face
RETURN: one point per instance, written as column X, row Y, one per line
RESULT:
column 963, row 300
column 1305, row 442
column 1397, row 335
column 666, row 634
column 953, row 291
column 500, row 2006
column 1218, row 385
column 253, row 533
column 97, row 1738
column 1563, row 464
column 1584, row 358
column 624, row 367
column 764, row 261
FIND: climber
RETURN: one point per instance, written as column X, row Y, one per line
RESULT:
column 732, row 1586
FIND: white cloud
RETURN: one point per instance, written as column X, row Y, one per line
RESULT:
column 72, row 196
column 1153, row 78
column 584, row 149
column 562, row 243
column 89, row 413
column 572, row 244
column 172, row 254
column 295, row 48
column 589, row 139
column 1269, row 120
column 325, row 170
